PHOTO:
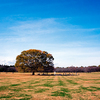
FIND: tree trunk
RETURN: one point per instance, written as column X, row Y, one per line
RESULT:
column 32, row 73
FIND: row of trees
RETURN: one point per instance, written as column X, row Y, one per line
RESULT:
column 12, row 68
column 7, row 68
column 78, row 69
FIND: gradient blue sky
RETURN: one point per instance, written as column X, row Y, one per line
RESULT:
column 68, row 29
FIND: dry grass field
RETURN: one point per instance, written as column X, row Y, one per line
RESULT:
column 24, row 86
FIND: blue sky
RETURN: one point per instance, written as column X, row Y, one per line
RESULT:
column 68, row 29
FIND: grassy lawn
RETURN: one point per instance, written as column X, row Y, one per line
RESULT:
column 24, row 86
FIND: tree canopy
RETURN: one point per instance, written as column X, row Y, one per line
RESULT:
column 33, row 60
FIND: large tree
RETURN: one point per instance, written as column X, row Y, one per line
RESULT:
column 32, row 60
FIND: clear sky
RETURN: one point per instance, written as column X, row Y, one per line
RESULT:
column 68, row 29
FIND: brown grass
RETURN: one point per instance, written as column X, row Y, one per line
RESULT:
column 24, row 86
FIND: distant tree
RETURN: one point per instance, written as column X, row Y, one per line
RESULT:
column 11, row 69
column 49, row 69
column 1, row 68
column 33, row 60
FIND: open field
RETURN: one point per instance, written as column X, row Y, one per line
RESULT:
column 24, row 86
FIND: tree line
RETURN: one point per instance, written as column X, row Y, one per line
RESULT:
column 78, row 69
column 33, row 60
column 7, row 68
column 12, row 68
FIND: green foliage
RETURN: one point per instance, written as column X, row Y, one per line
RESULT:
column 71, row 82
column 57, row 93
column 97, row 88
column 8, row 96
column 24, row 96
column 15, row 84
column 61, row 83
column 16, row 89
column 30, row 87
column 91, row 88
column 3, row 88
column 48, row 84
column 41, row 90
column 61, row 93
column 65, row 90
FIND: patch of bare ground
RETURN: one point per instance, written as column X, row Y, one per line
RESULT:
column 97, row 94
column 45, row 97
column 18, row 98
column 5, row 92
column 89, row 85
column 90, row 96
column 84, row 96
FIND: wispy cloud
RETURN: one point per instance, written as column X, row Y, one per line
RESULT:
column 7, row 62
column 48, row 29
column 65, row 41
